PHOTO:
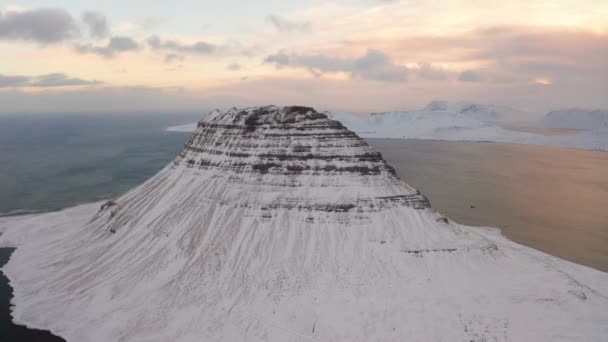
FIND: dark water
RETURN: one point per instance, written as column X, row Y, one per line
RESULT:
column 10, row 332
column 53, row 161
column 552, row 199
column 49, row 162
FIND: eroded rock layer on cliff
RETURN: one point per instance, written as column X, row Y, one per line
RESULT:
column 278, row 224
column 296, row 147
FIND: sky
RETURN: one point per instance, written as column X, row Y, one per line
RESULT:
column 358, row 56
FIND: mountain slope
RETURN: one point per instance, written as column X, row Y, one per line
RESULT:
column 279, row 224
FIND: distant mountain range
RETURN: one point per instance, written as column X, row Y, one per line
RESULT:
column 478, row 111
column 575, row 119
column 469, row 121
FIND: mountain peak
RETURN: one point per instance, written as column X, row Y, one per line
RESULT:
column 264, row 115
column 292, row 158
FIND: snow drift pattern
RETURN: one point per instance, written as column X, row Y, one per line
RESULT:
column 279, row 224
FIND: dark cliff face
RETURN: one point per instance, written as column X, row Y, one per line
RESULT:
column 292, row 145
column 289, row 140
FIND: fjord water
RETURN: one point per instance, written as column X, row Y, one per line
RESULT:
column 551, row 199
column 50, row 162
column 54, row 161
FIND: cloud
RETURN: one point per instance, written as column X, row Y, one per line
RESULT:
column 48, row 80
column 96, row 23
column 470, row 76
column 556, row 45
column 320, row 63
column 60, row 80
column 171, row 57
column 234, row 67
column 120, row 44
column 111, row 100
column 495, row 75
column 116, row 44
column 430, row 72
column 48, row 25
column 377, row 66
column 12, row 81
column 285, row 25
column 282, row 59
column 507, row 53
column 200, row 47
column 374, row 65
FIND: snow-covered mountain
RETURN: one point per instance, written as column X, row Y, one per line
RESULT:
column 474, row 122
column 423, row 124
column 438, row 114
column 279, row 224
column 576, row 119
column 478, row 111
column 439, row 120
column 465, row 121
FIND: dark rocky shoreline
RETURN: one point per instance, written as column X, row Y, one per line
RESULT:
column 10, row 332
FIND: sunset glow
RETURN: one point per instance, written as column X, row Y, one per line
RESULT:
column 412, row 52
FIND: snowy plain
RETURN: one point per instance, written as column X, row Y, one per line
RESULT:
column 278, row 224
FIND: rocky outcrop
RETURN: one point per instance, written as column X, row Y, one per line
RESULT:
column 294, row 147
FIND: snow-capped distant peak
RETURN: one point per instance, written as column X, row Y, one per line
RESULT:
column 437, row 105
column 575, row 118
column 477, row 111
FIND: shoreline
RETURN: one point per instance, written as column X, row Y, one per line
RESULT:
column 481, row 141
column 17, row 329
